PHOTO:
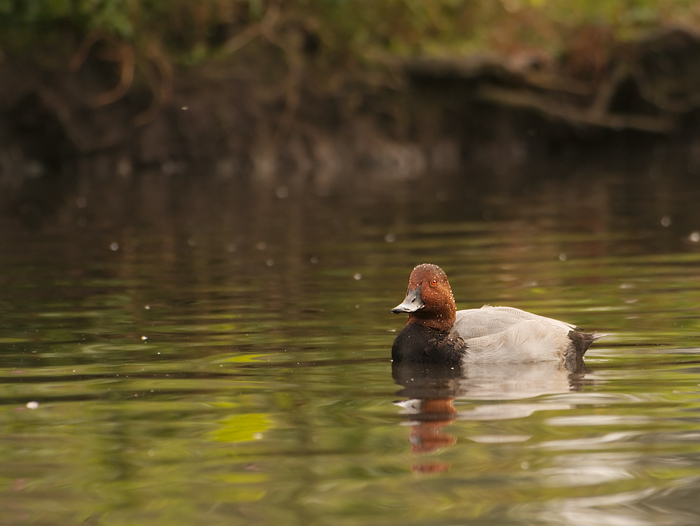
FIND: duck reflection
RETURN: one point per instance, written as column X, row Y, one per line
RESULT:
column 430, row 392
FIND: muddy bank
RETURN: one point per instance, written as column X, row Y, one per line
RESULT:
column 429, row 116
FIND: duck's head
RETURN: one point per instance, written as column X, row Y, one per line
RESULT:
column 429, row 301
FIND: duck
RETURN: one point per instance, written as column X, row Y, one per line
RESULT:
column 437, row 333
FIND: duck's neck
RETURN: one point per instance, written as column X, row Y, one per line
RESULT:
column 441, row 320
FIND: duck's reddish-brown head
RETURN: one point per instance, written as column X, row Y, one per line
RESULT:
column 429, row 301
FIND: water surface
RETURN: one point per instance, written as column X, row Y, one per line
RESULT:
column 195, row 352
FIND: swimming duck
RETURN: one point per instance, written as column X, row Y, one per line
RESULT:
column 437, row 333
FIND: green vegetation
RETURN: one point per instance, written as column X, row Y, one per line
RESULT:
column 333, row 32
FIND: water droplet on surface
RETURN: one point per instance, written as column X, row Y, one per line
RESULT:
column 694, row 237
column 114, row 246
column 357, row 276
column 562, row 257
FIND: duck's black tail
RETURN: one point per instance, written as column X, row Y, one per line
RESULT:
column 580, row 342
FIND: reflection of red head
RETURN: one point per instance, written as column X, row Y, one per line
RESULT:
column 426, row 435
column 438, row 407
column 431, row 467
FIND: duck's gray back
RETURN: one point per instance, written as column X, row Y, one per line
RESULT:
column 475, row 323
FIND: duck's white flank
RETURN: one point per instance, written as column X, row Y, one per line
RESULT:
column 492, row 334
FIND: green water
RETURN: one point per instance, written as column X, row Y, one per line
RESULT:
column 196, row 353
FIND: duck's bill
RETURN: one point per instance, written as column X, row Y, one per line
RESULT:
column 411, row 303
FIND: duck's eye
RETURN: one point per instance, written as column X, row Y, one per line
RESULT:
column 433, row 282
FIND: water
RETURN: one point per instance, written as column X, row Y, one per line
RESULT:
column 192, row 353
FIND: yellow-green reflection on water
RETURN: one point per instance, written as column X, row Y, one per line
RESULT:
column 229, row 364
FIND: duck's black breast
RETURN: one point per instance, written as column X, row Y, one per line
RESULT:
column 418, row 344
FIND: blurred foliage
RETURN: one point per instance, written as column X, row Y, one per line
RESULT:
column 334, row 32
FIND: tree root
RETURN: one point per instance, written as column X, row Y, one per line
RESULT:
column 152, row 63
column 574, row 115
column 648, row 86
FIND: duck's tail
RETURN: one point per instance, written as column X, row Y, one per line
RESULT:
column 580, row 342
